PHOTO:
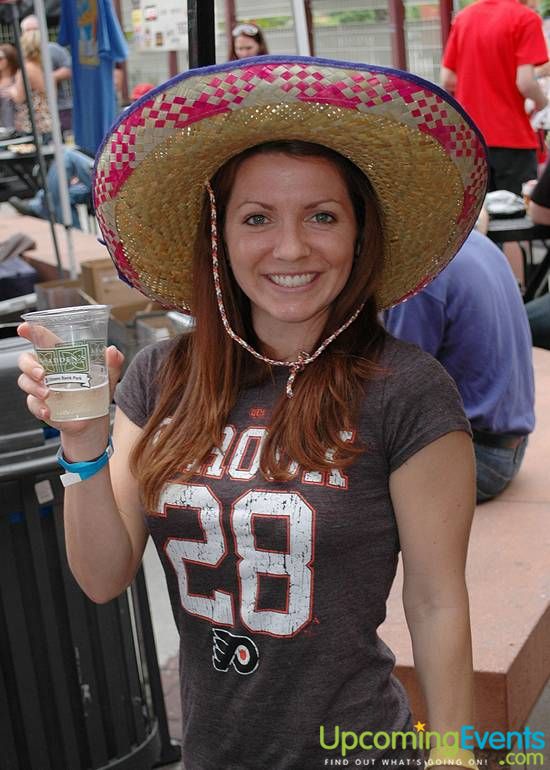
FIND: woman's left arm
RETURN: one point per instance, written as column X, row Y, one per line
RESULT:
column 433, row 495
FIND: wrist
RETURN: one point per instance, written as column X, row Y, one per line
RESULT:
column 85, row 447
column 81, row 471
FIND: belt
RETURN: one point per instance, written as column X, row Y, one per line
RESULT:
column 499, row 440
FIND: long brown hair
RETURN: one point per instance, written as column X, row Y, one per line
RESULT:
column 10, row 54
column 205, row 371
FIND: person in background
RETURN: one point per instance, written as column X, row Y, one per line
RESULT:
column 9, row 64
column 247, row 40
column 471, row 318
column 78, row 168
column 489, row 66
column 32, row 61
column 62, row 73
column 140, row 89
column 538, row 310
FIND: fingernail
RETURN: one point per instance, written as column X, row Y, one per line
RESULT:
column 38, row 372
column 43, row 413
column 43, row 392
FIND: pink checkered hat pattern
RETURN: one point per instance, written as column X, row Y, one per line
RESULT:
column 423, row 155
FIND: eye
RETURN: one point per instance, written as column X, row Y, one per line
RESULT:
column 323, row 218
column 256, row 219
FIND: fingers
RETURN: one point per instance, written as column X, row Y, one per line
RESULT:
column 28, row 363
column 33, row 385
column 31, row 382
column 24, row 330
column 115, row 360
column 40, row 336
column 38, row 408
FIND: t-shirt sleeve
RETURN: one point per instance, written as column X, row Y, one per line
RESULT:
column 531, row 45
column 60, row 57
column 136, row 392
column 421, row 404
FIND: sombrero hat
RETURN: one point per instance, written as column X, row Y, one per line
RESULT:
column 423, row 155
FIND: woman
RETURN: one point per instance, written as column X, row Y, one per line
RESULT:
column 32, row 60
column 247, row 40
column 282, row 453
column 8, row 69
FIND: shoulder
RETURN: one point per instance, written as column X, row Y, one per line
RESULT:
column 526, row 17
column 420, row 403
column 151, row 358
column 138, row 391
column 408, row 372
column 56, row 50
column 399, row 356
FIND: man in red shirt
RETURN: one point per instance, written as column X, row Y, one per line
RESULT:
column 488, row 65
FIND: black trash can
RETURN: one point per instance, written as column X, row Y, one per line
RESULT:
column 76, row 689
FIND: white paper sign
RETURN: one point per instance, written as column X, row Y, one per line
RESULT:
column 160, row 25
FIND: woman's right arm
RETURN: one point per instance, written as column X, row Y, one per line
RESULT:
column 105, row 531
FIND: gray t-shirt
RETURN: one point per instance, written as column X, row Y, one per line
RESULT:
column 61, row 58
column 278, row 588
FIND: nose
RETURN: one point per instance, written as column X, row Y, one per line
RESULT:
column 292, row 243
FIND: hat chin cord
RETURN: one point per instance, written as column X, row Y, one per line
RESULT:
column 304, row 358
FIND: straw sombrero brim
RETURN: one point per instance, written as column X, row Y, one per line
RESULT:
column 425, row 159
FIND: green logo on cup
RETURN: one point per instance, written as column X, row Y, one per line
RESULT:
column 65, row 359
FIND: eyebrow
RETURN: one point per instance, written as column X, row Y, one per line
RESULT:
column 322, row 202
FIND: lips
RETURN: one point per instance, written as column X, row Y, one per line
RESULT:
column 291, row 281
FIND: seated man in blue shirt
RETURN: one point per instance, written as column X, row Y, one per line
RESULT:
column 472, row 319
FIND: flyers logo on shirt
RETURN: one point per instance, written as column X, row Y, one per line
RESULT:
column 232, row 650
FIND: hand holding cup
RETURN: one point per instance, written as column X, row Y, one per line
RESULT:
column 70, row 378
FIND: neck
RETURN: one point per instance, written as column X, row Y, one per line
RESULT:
column 286, row 341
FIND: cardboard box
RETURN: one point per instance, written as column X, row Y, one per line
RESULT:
column 60, row 293
column 100, row 281
column 152, row 327
column 122, row 323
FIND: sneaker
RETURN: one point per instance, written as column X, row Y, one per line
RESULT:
column 22, row 207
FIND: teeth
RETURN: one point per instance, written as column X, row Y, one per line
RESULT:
column 292, row 280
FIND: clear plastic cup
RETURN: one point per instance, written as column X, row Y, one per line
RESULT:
column 70, row 345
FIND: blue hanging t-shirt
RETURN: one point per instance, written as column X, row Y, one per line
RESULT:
column 91, row 29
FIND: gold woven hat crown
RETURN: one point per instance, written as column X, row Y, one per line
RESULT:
column 423, row 155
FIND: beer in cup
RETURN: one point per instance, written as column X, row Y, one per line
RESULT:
column 70, row 346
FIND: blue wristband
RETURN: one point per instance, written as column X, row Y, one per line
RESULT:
column 84, row 470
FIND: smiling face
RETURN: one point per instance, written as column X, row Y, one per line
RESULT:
column 246, row 46
column 290, row 233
